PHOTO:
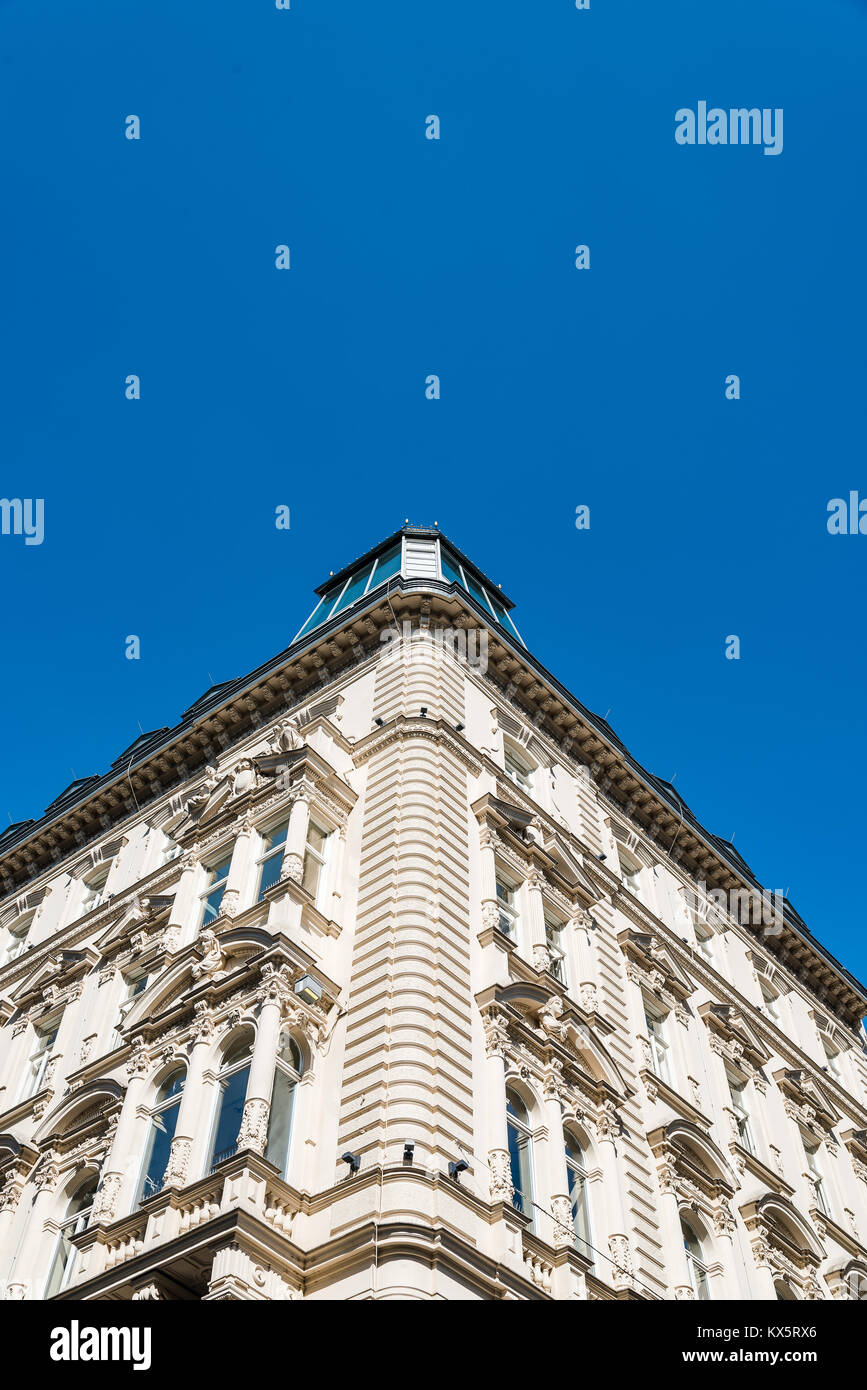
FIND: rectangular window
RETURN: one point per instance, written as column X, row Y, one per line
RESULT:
column 213, row 894
column 508, row 909
column 518, row 770
column 770, row 1005
column 315, row 860
column 37, row 1062
column 742, row 1114
column 15, row 943
column 812, row 1154
column 832, row 1061
column 271, row 861
column 94, row 889
column 556, row 952
column 659, row 1050
column 704, row 941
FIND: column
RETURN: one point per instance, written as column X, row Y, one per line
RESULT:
column 183, row 904
column 296, row 835
column 488, row 866
column 536, row 938
column 123, row 1145
column 620, row 1268
column 274, row 990
column 237, row 875
column 672, row 1234
column 188, row 1112
column 26, row 1262
column 563, row 1233
column 500, row 1172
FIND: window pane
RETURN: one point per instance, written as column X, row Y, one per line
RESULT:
column 280, row 1120
column 159, row 1147
column 316, row 839
column 354, row 589
column 231, row 1108
column 271, row 869
column 387, row 565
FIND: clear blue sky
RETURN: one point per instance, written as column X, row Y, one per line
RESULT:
column 559, row 387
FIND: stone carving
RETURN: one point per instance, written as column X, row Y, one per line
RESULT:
column 286, row 738
column 496, row 1035
column 549, row 1018
column 502, row 1189
column 212, row 959
column 203, row 1023
column 292, row 867
column 564, row 1231
column 105, row 1202
column 588, row 997
column 138, row 1062
column 490, row 915
column 148, row 1291
column 723, row 1218
column 253, row 1133
column 179, row 1159
column 244, row 777
column 623, row 1273
column 541, row 959
column 202, row 795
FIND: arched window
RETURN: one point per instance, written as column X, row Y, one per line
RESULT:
column 784, row 1292
column 77, row 1217
column 520, row 1153
column 287, row 1074
column 164, row 1118
column 577, row 1176
column 232, row 1084
column 518, row 768
column 695, row 1262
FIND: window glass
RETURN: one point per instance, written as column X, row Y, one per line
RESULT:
column 272, row 858
column 577, row 1177
column 520, row 1153
column 164, row 1119
column 354, row 590
column 78, row 1215
column 387, row 565
column 213, row 895
column 314, row 860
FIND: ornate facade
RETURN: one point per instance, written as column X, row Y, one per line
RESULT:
column 389, row 973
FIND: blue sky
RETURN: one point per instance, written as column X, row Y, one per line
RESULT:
column 559, row 387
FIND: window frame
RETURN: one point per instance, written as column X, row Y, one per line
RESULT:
column 523, row 1201
column 267, row 854
column 660, row 1046
column 323, row 858
column 170, row 1102
column 34, row 1077
column 696, row 1263
column 510, row 910
column 217, row 862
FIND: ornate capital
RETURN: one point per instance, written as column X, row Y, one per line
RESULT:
column 138, row 1061
column 496, row 1034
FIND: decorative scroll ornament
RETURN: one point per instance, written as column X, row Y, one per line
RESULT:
column 275, row 986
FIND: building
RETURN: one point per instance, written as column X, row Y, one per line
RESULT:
column 389, row 973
